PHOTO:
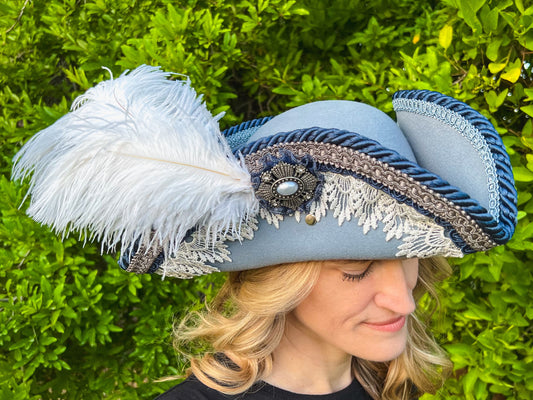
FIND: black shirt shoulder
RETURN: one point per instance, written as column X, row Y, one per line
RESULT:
column 192, row 389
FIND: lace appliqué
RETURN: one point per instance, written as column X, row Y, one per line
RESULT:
column 348, row 197
column 270, row 217
column 194, row 253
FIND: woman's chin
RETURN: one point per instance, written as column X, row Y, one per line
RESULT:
column 383, row 349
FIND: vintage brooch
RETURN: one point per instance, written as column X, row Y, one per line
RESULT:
column 288, row 186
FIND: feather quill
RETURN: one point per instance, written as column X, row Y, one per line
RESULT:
column 138, row 157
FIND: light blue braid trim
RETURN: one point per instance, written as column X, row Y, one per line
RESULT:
column 467, row 130
column 239, row 138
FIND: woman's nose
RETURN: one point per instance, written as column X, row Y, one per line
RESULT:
column 395, row 285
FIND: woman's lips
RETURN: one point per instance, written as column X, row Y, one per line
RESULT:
column 391, row 325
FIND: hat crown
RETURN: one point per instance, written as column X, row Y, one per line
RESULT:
column 345, row 115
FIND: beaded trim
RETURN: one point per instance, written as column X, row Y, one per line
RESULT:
column 467, row 130
column 360, row 163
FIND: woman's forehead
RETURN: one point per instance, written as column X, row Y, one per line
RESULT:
column 346, row 263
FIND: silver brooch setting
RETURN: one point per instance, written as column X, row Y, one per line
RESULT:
column 288, row 186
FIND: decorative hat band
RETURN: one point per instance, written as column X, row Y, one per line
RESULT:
column 423, row 195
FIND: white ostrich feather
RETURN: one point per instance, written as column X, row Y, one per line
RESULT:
column 138, row 158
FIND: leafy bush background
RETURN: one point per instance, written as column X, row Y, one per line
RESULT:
column 73, row 326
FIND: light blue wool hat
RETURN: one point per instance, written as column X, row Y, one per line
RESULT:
column 326, row 180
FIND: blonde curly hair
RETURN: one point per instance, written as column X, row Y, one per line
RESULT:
column 246, row 321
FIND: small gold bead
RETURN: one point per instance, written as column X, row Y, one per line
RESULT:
column 310, row 219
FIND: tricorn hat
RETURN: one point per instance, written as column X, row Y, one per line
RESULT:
column 141, row 162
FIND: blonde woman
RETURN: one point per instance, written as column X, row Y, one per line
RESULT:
column 339, row 329
column 331, row 219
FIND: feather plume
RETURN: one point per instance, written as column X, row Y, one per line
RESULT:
column 138, row 158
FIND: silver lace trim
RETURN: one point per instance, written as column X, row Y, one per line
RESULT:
column 194, row 254
column 466, row 129
column 345, row 196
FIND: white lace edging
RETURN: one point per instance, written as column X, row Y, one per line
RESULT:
column 345, row 196
column 196, row 252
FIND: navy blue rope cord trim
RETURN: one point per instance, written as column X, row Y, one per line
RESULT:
column 126, row 255
column 245, row 125
column 394, row 160
column 508, row 207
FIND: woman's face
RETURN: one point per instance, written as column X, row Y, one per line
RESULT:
column 358, row 308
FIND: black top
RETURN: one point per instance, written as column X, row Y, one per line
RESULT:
column 193, row 389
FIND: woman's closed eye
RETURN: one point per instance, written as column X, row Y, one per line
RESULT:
column 352, row 277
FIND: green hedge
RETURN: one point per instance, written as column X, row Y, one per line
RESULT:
column 73, row 326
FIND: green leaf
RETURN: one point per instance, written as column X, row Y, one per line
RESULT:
column 526, row 40
column 518, row 320
column 477, row 313
column 445, row 36
column 469, row 9
column 512, row 74
column 495, row 270
column 494, row 68
column 513, row 71
column 467, row 270
column 46, row 341
column 469, row 380
column 489, row 18
column 460, row 349
column 520, row 6
column 299, row 11
column 528, row 142
column 529, row 93
column 495, row 100
column 285, row 91
column 522, row 174
column 527, row 130
column 492, row 51
column 528, row 110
